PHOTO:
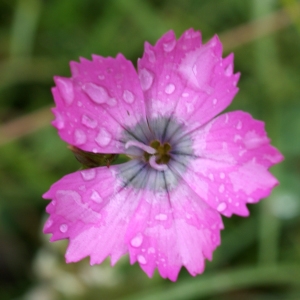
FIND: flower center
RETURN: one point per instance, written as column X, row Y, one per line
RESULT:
column 157, row 154
column 162, row 152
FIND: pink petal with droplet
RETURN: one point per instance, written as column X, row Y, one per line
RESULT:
column 231, row 169
column 171, row 230
column 93, row 218
column 187, row 79
column 93, row 107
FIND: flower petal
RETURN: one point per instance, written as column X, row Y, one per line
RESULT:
column 230, row 168
column 173, row 229
column 93, row 107
column 164, row 229
column 91, row 209
column 187, row 79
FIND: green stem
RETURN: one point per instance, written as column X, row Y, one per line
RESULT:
column 24, row 27
column 266, row 68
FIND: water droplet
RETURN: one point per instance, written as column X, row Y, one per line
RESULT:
column 79, row 137
column 128, row 96
column 66, row 90
column 89, row 122
column 222, row 175
column 101, row 77
column 63, row 228
column 242, row 152
column 222, row 206
column 137, row 240
column 229, row 70
column 141, row 259
column 221, row 188
column 212, row 42
column 48, row 223
column 151, row 250
column 237, row 138
column 97, row 93
column 59, row 121
column 146, row 79
column 103, row 138
column 151, row 55
column 239, row 125
column 185, row 95
column 88, row 174
column 211, row 176
column 195, row 71
column 250, row 200
column 112, row 102
column 161, row 217
column 170, row 88
column 215, row 100
column 96, row 197
column 226, row 118
column 169, row 46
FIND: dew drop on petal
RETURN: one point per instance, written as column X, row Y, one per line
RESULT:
column 195, row 71
column 237, row 138
column 96, row 197
column 211, row 176
column 221, row 188
column 88, row 174
column 112, row 102
column 229, row 71
column 128, row 96
column 215, row 100
column 222, row 206
column 250, row 200
column 141, row 259
column 170, row 88
column 146, row 79
column 65, row 87
column 79, row 137
column 185, row 95
column 161, row 217
column 103, row 138
column 151, row 250
column 137, row 240
column 239, row 125
column 48, row 223
column 59, row 121
column 169, row 46
column 97, row 93
column 63, row 228
column 151, row 55
column 226, row 118
column 89, row 122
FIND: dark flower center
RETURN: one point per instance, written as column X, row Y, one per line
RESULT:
column 162, row 152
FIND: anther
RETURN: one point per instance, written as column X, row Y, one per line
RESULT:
column 155, row 165
column 140, row 145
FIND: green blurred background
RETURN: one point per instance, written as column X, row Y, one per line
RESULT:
column 259, row 257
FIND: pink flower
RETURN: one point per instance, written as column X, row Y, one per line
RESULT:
column 188, row 165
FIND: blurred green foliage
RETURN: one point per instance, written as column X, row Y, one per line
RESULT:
column 259, row 257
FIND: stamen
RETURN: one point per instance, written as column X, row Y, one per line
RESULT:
column 140, row 145
column 155, row 165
